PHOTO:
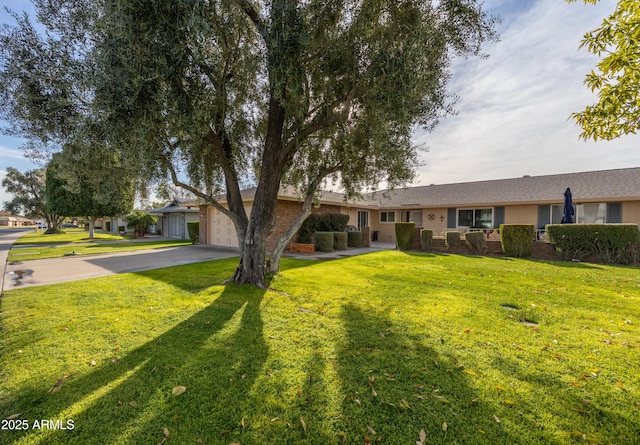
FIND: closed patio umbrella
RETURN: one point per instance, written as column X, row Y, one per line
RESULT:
column 567, row 210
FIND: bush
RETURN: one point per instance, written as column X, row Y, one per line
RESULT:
column 354, row 239
column 140, row 221
column 426, row 236
column 476, row 242
column 404, row 235
column 193, row 227
column 120, row 229
column 609, row 243
column 340, row 240
column 452, row 239
column 308, row 228
column 517, row 239
column 324, row 241
column 322, row 222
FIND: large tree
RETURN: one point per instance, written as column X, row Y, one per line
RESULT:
column 87, row 184
column 617, row 75
column 29, row 196
column 214, row 93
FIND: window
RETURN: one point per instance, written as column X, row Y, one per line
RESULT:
column 388, row 216
column 475, row 218
column 591, row 213
column 363, row 218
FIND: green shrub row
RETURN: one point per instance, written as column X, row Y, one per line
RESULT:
column 609, row 243
column 322, row 222
column 517, row 239
column 330, row 241
column 404, row 234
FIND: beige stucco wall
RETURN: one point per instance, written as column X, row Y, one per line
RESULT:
column 631, row 212
column 521, row 214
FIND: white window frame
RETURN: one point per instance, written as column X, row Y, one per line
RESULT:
column 387, row 213
column 474, row 209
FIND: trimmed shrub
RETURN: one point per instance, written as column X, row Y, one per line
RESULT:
column 404, row 234
column 307, row 229
column 452, row 239
column 354, row 239
column 193, row 227
column 517, row 239
column 120, row 229
column 340, row 240
column 426, row 236
column 322, row 222
column 609, row 243
column 324, row 241
column 333, row 222
column 476, row 242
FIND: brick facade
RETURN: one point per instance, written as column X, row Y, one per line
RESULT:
column 286, row 212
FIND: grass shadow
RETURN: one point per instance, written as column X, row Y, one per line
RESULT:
column 216, row 354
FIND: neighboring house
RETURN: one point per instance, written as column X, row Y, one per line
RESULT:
column 173, row 218
column 9, row 220
column 609, row 196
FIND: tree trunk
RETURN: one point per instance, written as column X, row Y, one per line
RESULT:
column 92, row 223
column 252, row 267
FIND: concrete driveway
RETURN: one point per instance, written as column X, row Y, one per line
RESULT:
column 57, row 270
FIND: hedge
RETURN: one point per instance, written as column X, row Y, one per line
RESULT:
column 404, row 234
column 476, row 242
column 608, row 243
column 340, row 240
column 193, row 227
column 324, row 241
column 322, row 222
column 426, row 236
column 452, row 239
column 354, row 239
column 517, row 239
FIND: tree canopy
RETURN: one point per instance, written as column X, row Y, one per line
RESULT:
column 218, row 94
column 87, row 185
column 617, row 76
column 29, row 196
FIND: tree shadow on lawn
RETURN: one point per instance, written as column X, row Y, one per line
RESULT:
column 558, row 408
column 217, row 354
column 406, row 385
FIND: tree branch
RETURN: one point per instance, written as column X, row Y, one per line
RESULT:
column 253, row 15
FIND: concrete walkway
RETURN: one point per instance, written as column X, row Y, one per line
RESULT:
column 57, row 270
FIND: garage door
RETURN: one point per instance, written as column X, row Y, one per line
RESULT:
column 222, row 232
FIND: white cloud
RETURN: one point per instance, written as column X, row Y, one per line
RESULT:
column 514, row 107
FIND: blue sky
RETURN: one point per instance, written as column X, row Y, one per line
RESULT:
column 513, row 107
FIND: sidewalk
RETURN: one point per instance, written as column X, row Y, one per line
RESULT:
column 62, row 269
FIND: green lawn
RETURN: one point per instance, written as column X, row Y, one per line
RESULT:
column 370, row 348
column 35, row 246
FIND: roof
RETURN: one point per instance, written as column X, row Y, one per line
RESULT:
column 619, row 184
column 177, row 206
column 594, row 186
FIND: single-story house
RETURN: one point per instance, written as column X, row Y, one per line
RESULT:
column 9, row 220
column 173, row 218
column 608, row 196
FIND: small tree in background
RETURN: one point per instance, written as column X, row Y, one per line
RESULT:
column 29, row 197
column 140, row 221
